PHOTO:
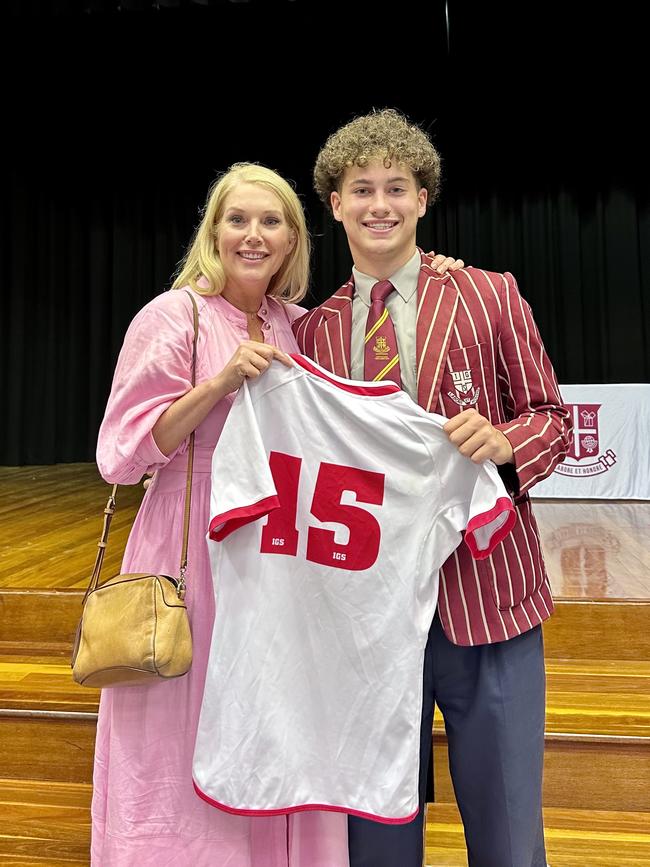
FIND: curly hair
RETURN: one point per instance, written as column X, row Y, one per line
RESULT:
column 387, row 135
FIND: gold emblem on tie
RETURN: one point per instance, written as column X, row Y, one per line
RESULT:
column 381, row 348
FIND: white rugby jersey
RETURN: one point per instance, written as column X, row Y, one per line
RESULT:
column 334, row 503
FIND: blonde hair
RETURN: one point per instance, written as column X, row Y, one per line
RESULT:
column 202, row 258
column 386, row 135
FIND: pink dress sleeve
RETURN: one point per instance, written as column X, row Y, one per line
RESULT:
column 153, row 370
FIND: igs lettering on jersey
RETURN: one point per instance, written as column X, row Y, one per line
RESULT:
column 583, row 459
column 466, row 395
column 280, row 534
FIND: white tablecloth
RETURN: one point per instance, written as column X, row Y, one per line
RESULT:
column 610, row 455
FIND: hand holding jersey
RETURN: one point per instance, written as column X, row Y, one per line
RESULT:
column 476, row 438
column 250, row 361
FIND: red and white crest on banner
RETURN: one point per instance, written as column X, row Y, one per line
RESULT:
column 583, row 458
column 585, row 430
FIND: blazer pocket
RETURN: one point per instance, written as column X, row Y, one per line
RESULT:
column 507, row 590
column 515, row 569
column 469, row 380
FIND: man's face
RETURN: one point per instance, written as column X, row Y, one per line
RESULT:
column 379, row 208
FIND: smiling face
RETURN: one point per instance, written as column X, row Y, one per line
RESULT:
column 379, row 208
column 253, row 238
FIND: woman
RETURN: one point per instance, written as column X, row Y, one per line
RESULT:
column 248, row 262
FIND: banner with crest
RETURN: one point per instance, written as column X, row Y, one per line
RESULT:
column 610, row 454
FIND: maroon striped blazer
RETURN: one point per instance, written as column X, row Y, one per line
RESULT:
column 476, row 345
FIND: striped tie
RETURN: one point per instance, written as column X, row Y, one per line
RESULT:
column 381, row 357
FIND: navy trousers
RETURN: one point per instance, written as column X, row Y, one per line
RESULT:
column 492, row 698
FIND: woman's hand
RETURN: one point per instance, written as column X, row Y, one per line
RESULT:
column 250, row 360
column 442, row 263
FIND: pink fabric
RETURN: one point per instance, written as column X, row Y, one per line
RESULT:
column 144, row 810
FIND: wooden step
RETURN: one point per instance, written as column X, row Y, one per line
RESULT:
column 574, row 838
column 33, row 860
column 48, row 720
column 598, row 697
column 39, row 622
column 47, row 746
column 43, row 621
column 597, row 774
column 45, row 824
column 597, row 729
column 50, row 825
column 31, row 685
column 611, row 629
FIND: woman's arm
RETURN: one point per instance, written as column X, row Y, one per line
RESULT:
column 250, row 360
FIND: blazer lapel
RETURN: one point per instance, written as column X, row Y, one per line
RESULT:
column 437, row 303
column 332, row 337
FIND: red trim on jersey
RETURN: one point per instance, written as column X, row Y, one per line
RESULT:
column 379, row 389
column 503, row 504
column 302, row 809
column 226, row 523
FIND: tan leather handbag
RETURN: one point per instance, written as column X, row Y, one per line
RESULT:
column 134, row 629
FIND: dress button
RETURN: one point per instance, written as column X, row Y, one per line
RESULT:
column 266, row 325
column 263, row 312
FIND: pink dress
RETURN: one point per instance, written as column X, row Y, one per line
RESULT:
column 144, row 809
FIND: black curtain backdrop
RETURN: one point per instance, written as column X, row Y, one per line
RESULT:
column 123, row 119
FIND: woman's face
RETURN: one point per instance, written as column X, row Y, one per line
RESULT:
column 253, row 237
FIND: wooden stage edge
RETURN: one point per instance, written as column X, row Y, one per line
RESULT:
column 50, row 520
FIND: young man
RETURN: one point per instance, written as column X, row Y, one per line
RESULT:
column 465, row 345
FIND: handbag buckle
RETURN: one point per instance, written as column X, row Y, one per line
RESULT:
column 180, row 590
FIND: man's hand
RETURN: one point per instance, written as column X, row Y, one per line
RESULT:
column 477, row 439
column 442, row 263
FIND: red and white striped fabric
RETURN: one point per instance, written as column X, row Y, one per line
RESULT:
column 477, row 345
column 333, row 505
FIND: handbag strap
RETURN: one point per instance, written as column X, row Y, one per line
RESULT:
column 111, row 505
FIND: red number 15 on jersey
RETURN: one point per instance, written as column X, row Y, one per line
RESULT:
column 280, row 536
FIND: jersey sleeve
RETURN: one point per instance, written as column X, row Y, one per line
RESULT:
column 243, row 489
column 476, row 503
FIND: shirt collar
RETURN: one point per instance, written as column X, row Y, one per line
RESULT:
column 405, row 280
column 234, row 314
